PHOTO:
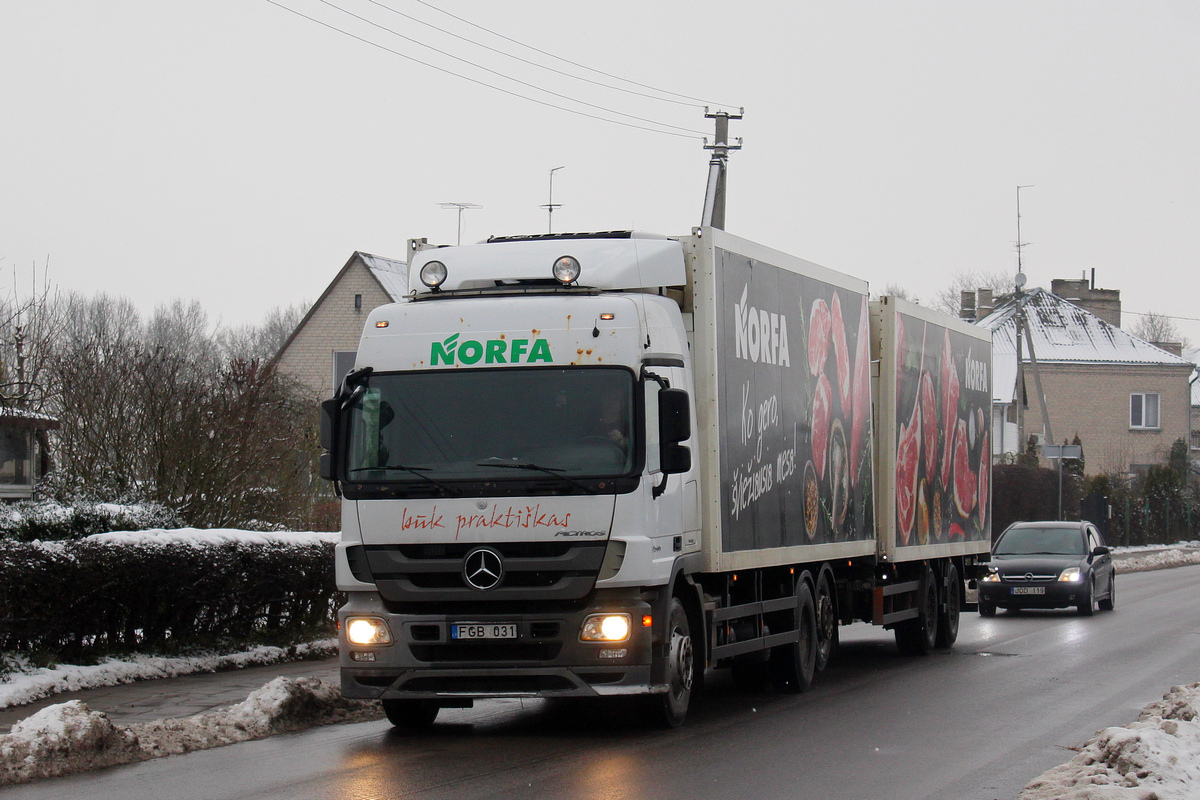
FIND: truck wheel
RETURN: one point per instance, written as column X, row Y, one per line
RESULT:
column 916, row 637
column 827, row 623
column 947, row 630
column 669, row 709
column 793, row 665
column 412, row 716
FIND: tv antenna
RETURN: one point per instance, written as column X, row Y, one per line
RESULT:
column 551, row 205
column 461, row 208
column 1020, row 244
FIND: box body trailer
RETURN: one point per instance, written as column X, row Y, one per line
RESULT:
column 599, row 464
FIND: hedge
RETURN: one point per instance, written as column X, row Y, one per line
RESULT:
column 164, row 592
column 45, row 520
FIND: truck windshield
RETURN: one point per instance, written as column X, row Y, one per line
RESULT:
column 493, row 424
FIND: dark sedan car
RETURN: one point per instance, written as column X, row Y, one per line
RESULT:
column 1049, row 565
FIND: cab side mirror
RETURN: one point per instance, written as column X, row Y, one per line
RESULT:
column 331, row 411
column 674, row 425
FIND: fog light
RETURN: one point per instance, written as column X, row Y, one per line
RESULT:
column 605, row 628
column 566, row 270
column 609, row 652
column 433, row 274
column 367, row 630
column 362, row 655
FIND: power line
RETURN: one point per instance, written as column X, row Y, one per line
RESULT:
column 1157, row 314
column 689, row 102
column 548, row 104
column 568, row 61
column 499, row 74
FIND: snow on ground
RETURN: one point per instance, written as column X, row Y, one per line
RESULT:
column 1155, row 758
column 70, row 737
column 25, row 687
column 1158, row 556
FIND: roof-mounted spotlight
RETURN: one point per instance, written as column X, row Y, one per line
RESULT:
column 433, row 274
column 566, row 270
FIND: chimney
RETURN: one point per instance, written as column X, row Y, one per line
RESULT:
column 1171, row 347
column 984, row 304
column 967, row 306
column 1104, row 303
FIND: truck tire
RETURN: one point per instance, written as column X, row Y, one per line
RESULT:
column 411, row 716
column 792, row 666
column 917, row 637
column 669, row 709
column 827, row 622
column 951, row 606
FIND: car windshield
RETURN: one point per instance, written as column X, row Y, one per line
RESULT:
column 1048, row 541
column 492, row 424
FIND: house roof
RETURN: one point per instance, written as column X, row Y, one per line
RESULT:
column 1062, row 333
column 391, row 275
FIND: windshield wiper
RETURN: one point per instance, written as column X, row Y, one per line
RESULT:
column 539, row 468
column 418, row 471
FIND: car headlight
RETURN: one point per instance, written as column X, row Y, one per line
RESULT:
column 367, row 630
column 992, row 576
column 605, row 628
column 1071, row 575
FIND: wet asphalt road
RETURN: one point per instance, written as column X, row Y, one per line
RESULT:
column 975, row 723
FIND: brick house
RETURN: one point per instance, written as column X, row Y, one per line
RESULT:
column 1126, row 399
column 321, row 349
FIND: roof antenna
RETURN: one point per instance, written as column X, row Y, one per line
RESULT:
column 551, row 205
column 461, row 208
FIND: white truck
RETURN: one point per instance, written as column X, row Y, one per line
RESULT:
column 596, row 465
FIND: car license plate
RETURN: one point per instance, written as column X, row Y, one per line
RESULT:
column 1029, row 590
column 484, row 630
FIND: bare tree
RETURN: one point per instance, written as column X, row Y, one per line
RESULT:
column 948, row 300
column 1156, row 328
column 262, row 341
column 903, row 292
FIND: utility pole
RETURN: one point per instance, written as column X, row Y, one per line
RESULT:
column 714, row 195
column 551, row 205
column 461, row 208
column 1019, row 319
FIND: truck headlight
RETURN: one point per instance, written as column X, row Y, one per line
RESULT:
column 433, row 274
column 367, row 630
column 1071, row 575
column 605, row 628
column 566, row 270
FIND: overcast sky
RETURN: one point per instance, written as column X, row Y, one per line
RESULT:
column 237, row 153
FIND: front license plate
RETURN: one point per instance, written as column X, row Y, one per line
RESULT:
column 1029, row 590
column 484, row 630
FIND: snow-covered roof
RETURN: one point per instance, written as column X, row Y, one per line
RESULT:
column 1062, row 333
column 392, row 275
column 29, row 419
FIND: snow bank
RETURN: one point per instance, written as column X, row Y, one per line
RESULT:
column 206, row 536
column 70, row 737
column 1155, row 758
column 1159, row 559
column 20, row 688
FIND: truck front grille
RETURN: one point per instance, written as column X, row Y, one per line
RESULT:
column 433, row 573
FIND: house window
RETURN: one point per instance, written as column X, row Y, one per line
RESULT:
column 343, row 363
column 1143, row 411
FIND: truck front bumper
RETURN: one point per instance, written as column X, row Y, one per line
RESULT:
column 546, row 658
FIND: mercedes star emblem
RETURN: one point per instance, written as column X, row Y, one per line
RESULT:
column 483, row 568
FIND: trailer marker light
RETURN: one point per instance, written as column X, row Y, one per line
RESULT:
column 608, row 317
column 647, row 621
column 383, row 323
column 566, row 270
